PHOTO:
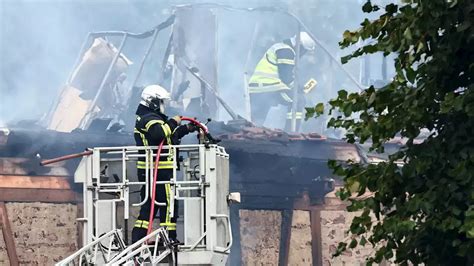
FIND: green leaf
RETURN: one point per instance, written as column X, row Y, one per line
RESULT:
column 411, row 74
column 342, row 94
column 341, row 247
column 347, row 35
column 367, row 7
column 347, row 109
column 391, row 8
column 310, row 112
column 407, row 34
column 420, row 46
column 371, row 99
column 353, row 243
column 319, row 109
column 345, row 59
column 452, row 3
column 470, row 233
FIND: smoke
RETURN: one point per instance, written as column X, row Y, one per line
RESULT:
column 241, row 45
column 40, row 41
column 244, row 37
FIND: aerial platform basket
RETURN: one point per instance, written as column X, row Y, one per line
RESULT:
column 201, row 186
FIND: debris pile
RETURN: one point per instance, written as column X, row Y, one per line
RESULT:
column 258, row 133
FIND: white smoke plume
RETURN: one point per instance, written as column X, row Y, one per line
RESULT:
column 40, row 40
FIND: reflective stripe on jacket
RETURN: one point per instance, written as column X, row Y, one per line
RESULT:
column 150, row 129
column 265, row 77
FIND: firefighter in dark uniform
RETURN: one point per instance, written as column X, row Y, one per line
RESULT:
column 151, row 128
column 272, row 80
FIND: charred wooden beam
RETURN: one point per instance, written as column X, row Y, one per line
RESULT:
column 235, row 257
column 8, row 235
column 80, row 225
column 304, row 203
column 43, row 182
column 39, row 195
column 286, row 221
column 316, row 240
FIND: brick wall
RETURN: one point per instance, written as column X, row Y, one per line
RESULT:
column 260, row 237
column 44, row 233
column 260, row 234
column 334, row 226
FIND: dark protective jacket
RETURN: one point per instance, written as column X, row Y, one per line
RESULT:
column 153, row 127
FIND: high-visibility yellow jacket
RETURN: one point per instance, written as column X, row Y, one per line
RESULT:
column 266, row 77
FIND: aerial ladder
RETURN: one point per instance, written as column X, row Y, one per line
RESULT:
column 201, row 186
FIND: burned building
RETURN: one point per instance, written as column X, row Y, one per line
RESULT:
column 284, row 216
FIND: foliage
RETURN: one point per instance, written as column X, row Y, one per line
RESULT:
column 421, row 208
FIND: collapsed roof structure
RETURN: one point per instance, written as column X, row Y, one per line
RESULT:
column 272, row 169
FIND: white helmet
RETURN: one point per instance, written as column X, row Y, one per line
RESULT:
column 153, row 96
column 306, row 41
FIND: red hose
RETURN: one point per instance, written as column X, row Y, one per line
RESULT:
column 155, row 173
column 153, row 193
column 65, row 157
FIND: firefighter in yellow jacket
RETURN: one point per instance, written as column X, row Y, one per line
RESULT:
column 273, row 78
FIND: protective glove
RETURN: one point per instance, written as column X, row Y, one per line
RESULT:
column 191, row 127
column 177, row 119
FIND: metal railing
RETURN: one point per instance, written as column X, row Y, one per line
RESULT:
column 125, row 36
column 108, row 175
column 143, row 252
column 97, row 252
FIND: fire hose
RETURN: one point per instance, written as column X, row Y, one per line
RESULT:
column 153, row 191
column 200, row 125
column 66, row 157
column 157, row 162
